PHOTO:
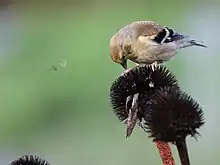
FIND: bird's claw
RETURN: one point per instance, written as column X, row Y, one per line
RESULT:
column 154, row 66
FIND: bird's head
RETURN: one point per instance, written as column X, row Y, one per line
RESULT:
column 117, row 55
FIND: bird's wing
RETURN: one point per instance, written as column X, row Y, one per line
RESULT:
column 139, row 30
column 156, row 32
column 147, row 31
column 147, row 28
column 127, row 35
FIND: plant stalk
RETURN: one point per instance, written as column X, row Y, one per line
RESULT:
column 183, row 151
column 165, row 153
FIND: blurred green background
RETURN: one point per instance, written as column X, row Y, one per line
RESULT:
column 64, row 116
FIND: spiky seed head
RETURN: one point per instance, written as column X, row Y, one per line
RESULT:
column 173, row 115
column 138, row 80
column 29, row 160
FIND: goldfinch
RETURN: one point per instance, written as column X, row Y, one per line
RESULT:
column 147, row 42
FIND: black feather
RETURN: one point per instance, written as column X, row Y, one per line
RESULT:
column 173, row 36
column 160, row 36
column 171, row 31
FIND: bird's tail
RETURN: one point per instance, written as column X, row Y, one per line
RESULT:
column 183, row 41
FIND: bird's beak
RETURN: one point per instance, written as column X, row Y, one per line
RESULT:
column 124, row 64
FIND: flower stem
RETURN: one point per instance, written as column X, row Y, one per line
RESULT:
column 183, row 152
column 165, row 153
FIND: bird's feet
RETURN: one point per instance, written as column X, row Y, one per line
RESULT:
column 154, row 65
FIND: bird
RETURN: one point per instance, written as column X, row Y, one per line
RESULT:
column 148, row 43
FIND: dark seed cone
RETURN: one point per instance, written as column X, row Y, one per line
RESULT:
column 171, row 117
column 142, row 80
column 29, row 160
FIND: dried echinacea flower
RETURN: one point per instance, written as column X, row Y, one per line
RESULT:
column 130, row 87
column 133, row 90
column 29, row 160
column 172, row 116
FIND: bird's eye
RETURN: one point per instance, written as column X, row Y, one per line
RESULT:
column 123, row 58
